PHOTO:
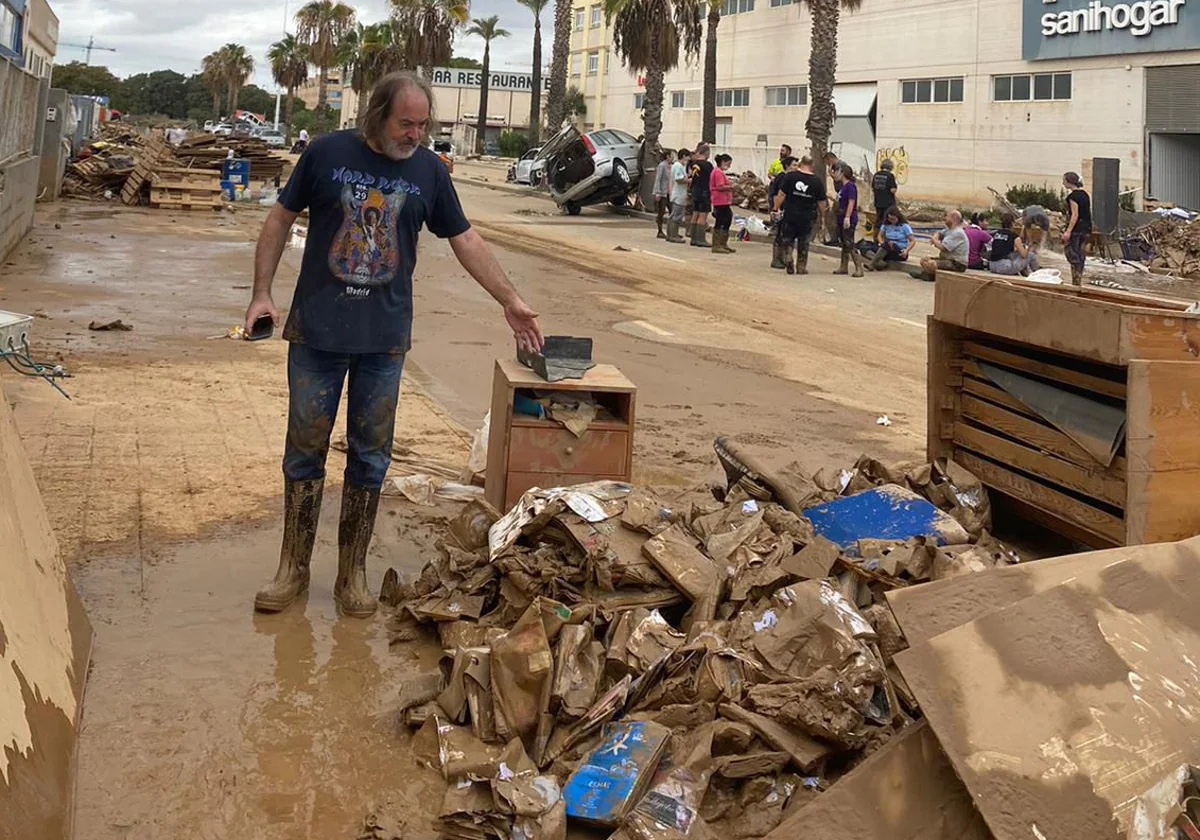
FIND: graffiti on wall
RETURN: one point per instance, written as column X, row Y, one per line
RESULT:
column 899, row 158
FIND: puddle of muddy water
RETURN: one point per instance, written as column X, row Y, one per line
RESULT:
column 204, row 720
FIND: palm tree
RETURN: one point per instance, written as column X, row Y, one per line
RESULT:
column 368, row 53
column 648, row 36
column 289, row 66
column 708, row 123
column 488, row 29
column 574, row 104
column 822, row 71
column 238, row 66
column 213, row 70
column 560, row 55
column 429, row 27
column 535, row 101
column 321, row 25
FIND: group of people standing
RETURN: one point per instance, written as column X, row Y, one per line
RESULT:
column 687, row 187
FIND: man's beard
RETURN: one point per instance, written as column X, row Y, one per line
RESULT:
column 397, row 151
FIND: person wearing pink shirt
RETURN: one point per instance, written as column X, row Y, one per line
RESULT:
column 722, row 204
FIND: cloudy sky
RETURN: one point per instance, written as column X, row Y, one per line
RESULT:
column 177, row 34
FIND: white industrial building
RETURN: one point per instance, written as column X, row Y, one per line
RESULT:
column 962, row 96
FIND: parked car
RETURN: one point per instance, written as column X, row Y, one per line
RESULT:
column 271, row 136
column 222, row 129
column 444, row 149
column 209, row 125
column 590, row 168
column 519, row 172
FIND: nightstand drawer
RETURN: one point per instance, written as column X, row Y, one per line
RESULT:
column 520, row 482
column 553, row 449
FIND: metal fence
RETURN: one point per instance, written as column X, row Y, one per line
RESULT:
column 18, row 111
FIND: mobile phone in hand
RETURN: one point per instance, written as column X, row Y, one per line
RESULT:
column 263, row 327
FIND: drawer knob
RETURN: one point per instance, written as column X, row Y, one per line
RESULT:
column 570, row 450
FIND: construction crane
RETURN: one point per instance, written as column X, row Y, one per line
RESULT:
column 88, row 47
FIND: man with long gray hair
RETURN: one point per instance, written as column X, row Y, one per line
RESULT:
column 367, row 194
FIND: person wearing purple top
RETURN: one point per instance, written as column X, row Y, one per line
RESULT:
column 977, row 237
column 847, row 221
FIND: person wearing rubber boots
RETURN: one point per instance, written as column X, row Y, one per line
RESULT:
column 802, row 199
column 368, row 194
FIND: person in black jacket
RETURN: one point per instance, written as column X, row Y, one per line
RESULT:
column 883, row 190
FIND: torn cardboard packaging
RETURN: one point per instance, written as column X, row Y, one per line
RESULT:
column 603, row 608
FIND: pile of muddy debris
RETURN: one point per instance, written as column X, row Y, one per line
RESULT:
column 1175, row 245
column 669, row 668
column 750, row 192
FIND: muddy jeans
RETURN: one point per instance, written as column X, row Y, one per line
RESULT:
column 1075, row 250
column 315, row 380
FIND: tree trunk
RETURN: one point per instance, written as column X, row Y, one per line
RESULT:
column 822, row 72
column 287, row 114
column 216, row 105
column 708, row 126
column 558, row 66
column 652, row 123
column 233, row 99
column 481, row 122
column 364, row 99
column 322, row 89
column 535, row 99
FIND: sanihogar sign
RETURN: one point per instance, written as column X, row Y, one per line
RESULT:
column 1067, row 28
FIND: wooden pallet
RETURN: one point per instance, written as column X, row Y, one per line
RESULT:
column 178, row 205
column 186, row 179
column 144, row 166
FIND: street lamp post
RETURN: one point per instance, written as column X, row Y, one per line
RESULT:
column 277, row 92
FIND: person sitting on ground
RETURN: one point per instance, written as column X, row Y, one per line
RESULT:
column 790, row 164
column 898, row 239
column 722, row 204
column 678, row 196
column 847, row 221
column 953, row 249
column 779, row 165
column 662, row 191
column 701, row 173
column 977, row 238
column 883, row 190
column 1024, row 256
column 802, row 200
column 1002, row 241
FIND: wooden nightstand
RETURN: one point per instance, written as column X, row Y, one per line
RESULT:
column 526, row 452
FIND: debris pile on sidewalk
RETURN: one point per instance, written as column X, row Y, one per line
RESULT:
column 1175, row 245
column 749, row 192
column 656, row 666
column 123, row 162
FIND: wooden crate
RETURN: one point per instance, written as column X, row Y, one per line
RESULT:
column 526, row 452
column 1136, row 352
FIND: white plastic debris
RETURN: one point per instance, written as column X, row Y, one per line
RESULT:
column 883, row 420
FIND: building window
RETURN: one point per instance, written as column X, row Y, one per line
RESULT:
column 733, row 7
column 639, row 101
column 576, row 63
column 596, row 16
column 733, row 97
column 593, row 63
column 932, row 90
column 789, row 95
column 1023, row 87
column 775, row 4
column 676, row 99
column 579, row 20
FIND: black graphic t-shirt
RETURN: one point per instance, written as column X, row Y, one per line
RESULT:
column 1084, row 202
column 802, row 193
column 354, row 294
column 1002, row 244
column 882, row 184
column 701, row 171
